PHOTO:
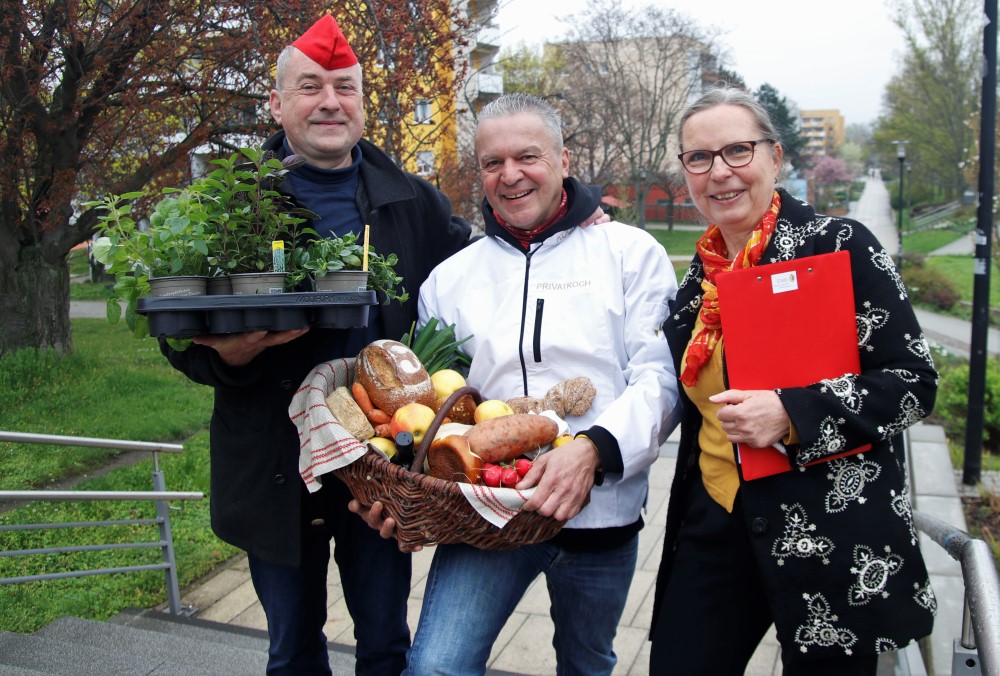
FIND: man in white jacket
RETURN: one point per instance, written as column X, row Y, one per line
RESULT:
column 545, row 300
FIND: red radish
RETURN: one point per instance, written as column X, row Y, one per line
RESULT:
column 491, row 475
column 509, row 477
column 522, row 465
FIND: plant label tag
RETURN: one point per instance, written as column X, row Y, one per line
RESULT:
column 784, row 281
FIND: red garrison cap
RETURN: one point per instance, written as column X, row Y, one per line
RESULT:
column 325, row 44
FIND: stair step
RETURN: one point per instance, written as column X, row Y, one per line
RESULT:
column 32, row 654
column 154, row 648
column 341, row 656
column 193, row 628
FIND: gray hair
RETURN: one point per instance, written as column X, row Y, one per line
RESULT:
column 282, row 66
column 515, row 104
column 727, row 95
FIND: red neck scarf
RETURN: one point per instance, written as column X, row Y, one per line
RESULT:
column 526, row 237
column 712, row 249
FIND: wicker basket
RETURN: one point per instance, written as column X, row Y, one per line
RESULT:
column 430, row 511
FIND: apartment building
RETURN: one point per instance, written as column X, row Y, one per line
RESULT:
column 440, row 130
column 823, row 131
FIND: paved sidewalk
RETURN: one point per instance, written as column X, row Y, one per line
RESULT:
column 525, row 644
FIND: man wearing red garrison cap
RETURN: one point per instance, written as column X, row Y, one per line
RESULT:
column 258, row 501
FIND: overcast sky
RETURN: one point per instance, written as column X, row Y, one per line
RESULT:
column 830, row 55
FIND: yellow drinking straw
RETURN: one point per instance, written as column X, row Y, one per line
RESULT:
column 364, row 259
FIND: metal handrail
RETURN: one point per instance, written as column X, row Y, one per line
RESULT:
column 90, row 442
column 74, row 496
column 981, row 616
column 159, row 495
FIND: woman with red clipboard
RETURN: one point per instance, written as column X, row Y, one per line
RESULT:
column 825, row 550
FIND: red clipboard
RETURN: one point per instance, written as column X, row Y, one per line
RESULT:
column 788, row 324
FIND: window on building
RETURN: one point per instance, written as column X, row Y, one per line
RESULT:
column 422, row 112
column 425, row 162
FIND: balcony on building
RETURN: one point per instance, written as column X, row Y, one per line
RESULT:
column 485, row 86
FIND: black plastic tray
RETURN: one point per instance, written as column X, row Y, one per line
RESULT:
column 187, row 316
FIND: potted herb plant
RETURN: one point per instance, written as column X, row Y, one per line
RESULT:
column 173, row 250
column 323, row 259
column 249, row 213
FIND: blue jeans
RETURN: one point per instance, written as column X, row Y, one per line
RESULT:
column 376, row 580
column 471, row 593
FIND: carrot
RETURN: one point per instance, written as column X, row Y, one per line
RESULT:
column 376, row 416
column 506, row 437
column 361, row 397
column 382, row 430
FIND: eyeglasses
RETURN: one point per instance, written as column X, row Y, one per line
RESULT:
column 736, row 155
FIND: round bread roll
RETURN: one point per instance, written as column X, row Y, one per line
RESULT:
column 570, row 397
column 525, row 405
column 392, row 375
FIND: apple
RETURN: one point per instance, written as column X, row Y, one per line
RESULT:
column 414, row 418
column 385, row 445
column 445, row 382
column 492, row 408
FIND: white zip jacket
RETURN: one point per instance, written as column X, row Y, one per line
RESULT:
column 584, row 302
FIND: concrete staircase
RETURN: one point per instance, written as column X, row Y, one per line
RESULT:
column 143, row 642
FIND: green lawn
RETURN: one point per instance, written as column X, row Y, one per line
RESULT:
column 112, row 386
column 677, row 242
column 960, row 270
column 925, row 241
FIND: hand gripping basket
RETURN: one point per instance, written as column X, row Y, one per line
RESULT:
column 431, row 511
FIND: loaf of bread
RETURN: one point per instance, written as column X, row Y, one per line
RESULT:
column 349, row 414
column 393, row 376
column 450, row 458
column 570, row 397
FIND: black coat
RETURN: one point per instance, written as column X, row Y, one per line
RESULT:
column 258, row 500
column 835, row 542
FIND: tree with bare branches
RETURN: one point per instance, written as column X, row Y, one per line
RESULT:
column 104, row 96
column 630, row 73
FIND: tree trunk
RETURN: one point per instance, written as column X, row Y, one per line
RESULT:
column 34, row 304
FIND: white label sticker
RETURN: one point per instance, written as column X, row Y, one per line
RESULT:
column 785, row 281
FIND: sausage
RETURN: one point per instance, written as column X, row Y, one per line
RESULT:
column 504, row 438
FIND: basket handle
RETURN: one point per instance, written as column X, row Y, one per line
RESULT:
column 442, row 413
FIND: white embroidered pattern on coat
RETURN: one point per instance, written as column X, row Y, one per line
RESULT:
column 910, row 412
column 919, row 347
column 885, row 645
column 819, row 629
column 830, row 441
column 924, row 596
column 905, row 375
column 849, row 476
column 883, row 261
column 868, row 322
column 797, row 540
column 902, row 508
column 693, row 306
column 844, row 388
column 871, row 574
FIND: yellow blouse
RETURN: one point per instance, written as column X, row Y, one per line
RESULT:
column 717, row 459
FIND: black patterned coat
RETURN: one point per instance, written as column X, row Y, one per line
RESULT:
column 835, row 542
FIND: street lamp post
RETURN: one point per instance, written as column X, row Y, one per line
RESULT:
column 641, row 197
column 901, row 156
